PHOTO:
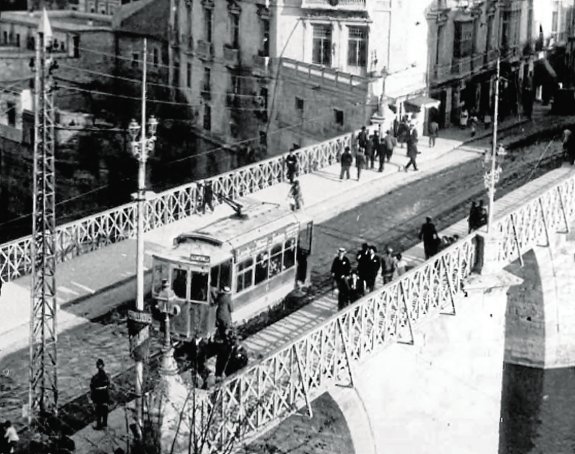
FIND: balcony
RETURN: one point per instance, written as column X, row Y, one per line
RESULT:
column 233, row 100
column 205, row 50
column 261, row 66
column 308, row 72
column 490, row 57
column 231, row 57
column 206, row 92
column 341, row 5
column 460, row 67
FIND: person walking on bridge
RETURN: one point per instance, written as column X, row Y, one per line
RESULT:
column 388, row 265
column 291, row 165
column 372, row 265
column 346, row 160
column 428, row 234
column 340, row 271
column 359, row 162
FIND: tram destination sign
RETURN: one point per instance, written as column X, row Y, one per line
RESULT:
column 202, row 259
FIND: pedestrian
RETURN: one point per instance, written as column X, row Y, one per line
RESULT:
column 99, row 393
column 340, row 271
column 296, row 196
column 565, row 141
column 375, row 139
column 412, row 148
column 291, row 165
column 390, row 142
column 483, row 215
column 359, row 162
column 473, row 121
column 430, row 238
column 400, row 264
column 380, row 153
column 473, row 219
column 372, row 264
column 208, row 196
column 361, row 258
column 9, row 438
column 224, row 313
column 388, row 265
column 433, row 133
column 362, row 138
column 463, row 118
column 346, row 160
column 356, row 287
column 402, row 131
column 569, row 146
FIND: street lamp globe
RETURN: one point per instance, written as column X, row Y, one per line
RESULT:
column 134, row 129
column 152, row 125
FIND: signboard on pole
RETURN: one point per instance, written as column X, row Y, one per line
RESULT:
column 138, row 323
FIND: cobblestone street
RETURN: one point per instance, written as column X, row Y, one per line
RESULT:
column 392, row 219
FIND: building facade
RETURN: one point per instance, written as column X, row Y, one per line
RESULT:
column 469, row 36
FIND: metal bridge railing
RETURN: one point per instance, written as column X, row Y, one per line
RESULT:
column 262, row 395
column 117, row 224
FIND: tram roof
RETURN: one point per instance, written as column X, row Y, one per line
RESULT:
column 219, row 239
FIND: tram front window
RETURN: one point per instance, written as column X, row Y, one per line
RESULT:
column 179, row 278
column 199, row 286
column 160, row 272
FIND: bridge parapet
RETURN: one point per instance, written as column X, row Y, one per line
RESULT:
column 117, row 224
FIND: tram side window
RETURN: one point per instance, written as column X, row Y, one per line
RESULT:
column 179, row 278
column 262, row 265
column 245, row 274
column 199, row 286
column 289, row 253
column 160, row 272
column 276, row 260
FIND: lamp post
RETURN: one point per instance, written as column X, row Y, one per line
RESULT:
column 141, row 147
column 168, row 307
column 492, row 176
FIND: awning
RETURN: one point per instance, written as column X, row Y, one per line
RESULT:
column 420, row 102
column 543, row 72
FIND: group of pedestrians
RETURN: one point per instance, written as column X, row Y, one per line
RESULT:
column 352, row 283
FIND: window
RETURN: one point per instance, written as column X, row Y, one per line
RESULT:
column 262, row 265
column 5, row 37
column 155, row 57
column 176, row 74
column 338, row 114
column 207, row 117
column 463, row 43
column 103, row 10
column 555, row 22
column 530, row 24
column 357, row 47
column 11, row 113
column 17, row 39
column 199, row 286
column 510, row 28
column 207, row 79
column 265, row 24
column 289, row 254
column 321, row 53
column 135, row 59
column 245, row 275
column 438, row 43
column 76, row 46
column 263, row 138
column 276, row 260
column 179, row 282
column 208, row 22
column 188, row 75
column 299, row 105
column 235, row 30
column 489, row 37
column 264, row 98
column 234, row 83
column 160, row 272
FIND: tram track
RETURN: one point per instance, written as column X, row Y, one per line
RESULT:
column 401, row 232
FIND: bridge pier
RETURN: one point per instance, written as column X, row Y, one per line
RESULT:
column 541, row 312
column 441, row 394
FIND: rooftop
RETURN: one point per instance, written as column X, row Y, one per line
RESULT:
column 64, row 20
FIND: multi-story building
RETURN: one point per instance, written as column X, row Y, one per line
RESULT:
column 298, row 70
column 469, row 35
column 108, row 7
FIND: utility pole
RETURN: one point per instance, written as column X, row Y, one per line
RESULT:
column 43, row 390
column 491, row 190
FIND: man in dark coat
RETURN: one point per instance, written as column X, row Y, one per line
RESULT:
column 361, row 257
column 362, row 138
column 474, row 214
column 208, row 196
column 412, row 147
column 390, row 142
column 340, row 271
column 430, row 238
column 346, row 160
column 372, row 264
column 371, row 150
column 99, row 393
column 224, row 312
column 291, row 165
column 359, row 162
column 356, row 288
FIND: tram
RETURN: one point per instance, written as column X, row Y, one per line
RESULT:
column 260, row 253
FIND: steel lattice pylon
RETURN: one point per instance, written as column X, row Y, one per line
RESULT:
column 43, row 396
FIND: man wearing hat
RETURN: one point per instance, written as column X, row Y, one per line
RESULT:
column 224, row 312
column 340, row 271
column 372, row 264
column 99, row 387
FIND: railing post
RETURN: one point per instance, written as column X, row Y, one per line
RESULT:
column 516, row 238
column 544, row 222
column 304, row 383
column 345, row 352
column 407, row 316
column 563, row 209
column 450, row 288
